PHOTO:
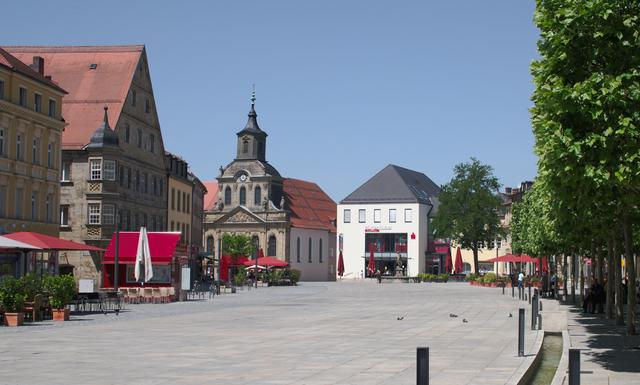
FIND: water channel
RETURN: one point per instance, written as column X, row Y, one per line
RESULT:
column 551, row 352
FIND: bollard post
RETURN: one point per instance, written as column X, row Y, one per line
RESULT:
column 534, row 310
column 503, row 288
column 423, row 366
column 574, row 366
column 521, row 332
column 513, row 291
column 539, row 321
column 529, row 293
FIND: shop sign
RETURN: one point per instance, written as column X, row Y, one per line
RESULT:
column 377, row 229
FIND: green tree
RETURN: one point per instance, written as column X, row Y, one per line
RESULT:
column 586, row 117
column 469, row 208
column 236, row 246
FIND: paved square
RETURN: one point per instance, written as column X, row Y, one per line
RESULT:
column 317, row 333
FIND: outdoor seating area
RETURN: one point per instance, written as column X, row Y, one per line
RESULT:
column 139, row 295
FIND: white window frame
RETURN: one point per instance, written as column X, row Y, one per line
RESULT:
column 392, row 216
column 377, row 215
column 37, row 107
column 64, row 215
column 35, row 151
column 19, row 150
column 65, row 173
column 95, row 168
column 362, row 215
column 94, row 213
column 346, row 218
column 108, row 214
column 109, row 169
column 408, row 216
column 35, row 196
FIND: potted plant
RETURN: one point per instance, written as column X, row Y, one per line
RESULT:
column 12, row 299
column 61, row 289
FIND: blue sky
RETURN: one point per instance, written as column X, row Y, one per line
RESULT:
column 343, row 87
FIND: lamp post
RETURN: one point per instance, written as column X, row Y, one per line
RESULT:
column 116, row 254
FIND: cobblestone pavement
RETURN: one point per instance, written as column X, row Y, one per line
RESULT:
column 317, row 333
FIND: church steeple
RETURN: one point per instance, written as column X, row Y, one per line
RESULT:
column 104, row 136
column 252, row 141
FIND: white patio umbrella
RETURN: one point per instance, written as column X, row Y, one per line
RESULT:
column 143, row 254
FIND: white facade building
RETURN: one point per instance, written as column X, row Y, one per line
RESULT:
column 389, row 215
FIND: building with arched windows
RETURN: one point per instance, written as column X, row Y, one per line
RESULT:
column 251, row 197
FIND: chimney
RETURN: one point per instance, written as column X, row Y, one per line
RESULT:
column 38, row 64
column 507, row 190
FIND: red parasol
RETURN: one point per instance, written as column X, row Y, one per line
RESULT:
column 448, row 263
column 371, row 267
column 266, row 262
column 340, row 265
column 458, row 266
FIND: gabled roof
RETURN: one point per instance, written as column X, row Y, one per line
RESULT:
column 310, row 207
column 20, row 66
column 90, row 87
column 395, row 184
column 211, row 195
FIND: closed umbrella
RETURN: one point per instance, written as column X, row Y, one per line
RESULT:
column 448, row 264
column 371, row 267
column 458, row 266
column 340, row 265
column 143, row 255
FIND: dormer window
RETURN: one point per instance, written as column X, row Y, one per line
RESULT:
column 245, row 146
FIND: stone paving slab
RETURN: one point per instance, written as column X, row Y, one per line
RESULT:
column 318, row 333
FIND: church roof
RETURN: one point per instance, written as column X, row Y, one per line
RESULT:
column 395, row 184
column 311, row 208
column 211, row 195
column 94, row 76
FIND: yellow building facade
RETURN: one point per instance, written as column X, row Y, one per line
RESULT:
column 179, row 200
column 31, row 125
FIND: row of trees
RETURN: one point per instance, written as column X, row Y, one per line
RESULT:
column 586, row 120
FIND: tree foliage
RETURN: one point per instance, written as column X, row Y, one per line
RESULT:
column 237, row 245
column 469, row 205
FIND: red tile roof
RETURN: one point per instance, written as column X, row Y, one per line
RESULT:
column 310, row 207
column 12, row 62
column 211, row 195
column 89, row 89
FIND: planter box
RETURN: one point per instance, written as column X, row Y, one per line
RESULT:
column 60, row 314
column 13, row 319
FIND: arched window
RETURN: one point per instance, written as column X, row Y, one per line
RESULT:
column 310, row 245
column 256, row 246
column 210, row 245
column 320, row 251
column 298, row 250
column 227, row 196
column 271, row 251
column 243, row 195
column 257, row 196
column 245, row 146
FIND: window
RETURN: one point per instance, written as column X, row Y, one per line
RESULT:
column 227, row 196
column 19, row 147
column 48, row 209
column 136, row 182
column 121, row 176
column 271, row 249
column 94, row 213
column 64, row 215
column 35, row 159
column 127, row 133
column 3, row 201
column 173, row 201
column 377, row 214
column 392, row 215
column 23, row 97
column 139, row 138
column 407, row 215
column 52, row 108
column 1, row 89
column 154, row 185
column 184, row 202
column 152, row 143
column 129, row 175
column 1, row 141
column 160, row 186
column 179, row 202
column 298, row 250
column 110, row 170
column 243, row 195
column 108, row 212
column 362, row 215
column 147, row 106
column 347, row 216
column 37, row 102
column 19, row 203
column 257, row 196
column 245, row 146
column 145, row 184
column 34, row 206
column 320, row 251
column 95, row 167
column 210, row 245
column 310, row 248
column 50, row 155
column 188, row 203
column 133, row 98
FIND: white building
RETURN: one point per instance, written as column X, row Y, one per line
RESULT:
column 389, row 215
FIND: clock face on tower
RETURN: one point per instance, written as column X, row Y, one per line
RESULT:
column 243, row 177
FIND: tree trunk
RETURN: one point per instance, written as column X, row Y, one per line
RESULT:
column 599, row 266
column 610, row 279
column 565, row 276
column 631, row 274
column 617, row 280
column 573, row 278
column 475, row 258
column 581, row 274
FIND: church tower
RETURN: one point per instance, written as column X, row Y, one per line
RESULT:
column 252, row 141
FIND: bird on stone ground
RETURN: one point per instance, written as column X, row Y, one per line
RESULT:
column 510, row 315
column 464, row 320
column 400, row 318
column 452, row 315
column 117, row 311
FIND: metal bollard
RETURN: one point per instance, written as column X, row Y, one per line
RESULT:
column 521, row 332
column 423, row 366
column 503, row 289
column 539, row 321
column 529, row 294
column 574, row 366
column 513, row 291
column 534, row 310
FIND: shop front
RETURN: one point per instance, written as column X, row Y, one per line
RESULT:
column 389, row 253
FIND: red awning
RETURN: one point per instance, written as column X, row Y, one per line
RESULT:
column 513, row 258
column 47, row 242
column 162, row 246
column 267, row 262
